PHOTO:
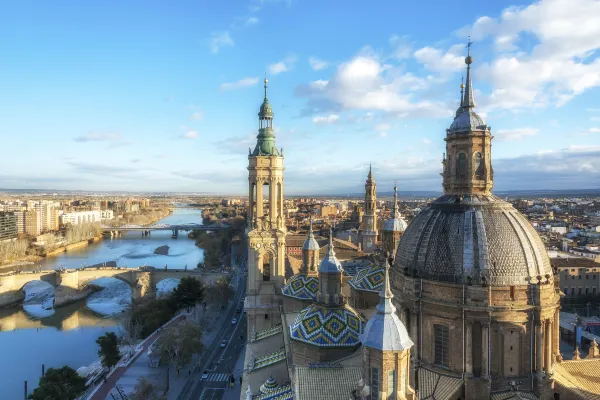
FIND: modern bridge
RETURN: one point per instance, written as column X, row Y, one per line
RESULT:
column 74, row 284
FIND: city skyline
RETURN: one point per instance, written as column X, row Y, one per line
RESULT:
column 167, row 100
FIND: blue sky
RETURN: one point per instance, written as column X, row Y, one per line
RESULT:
column 163, row 96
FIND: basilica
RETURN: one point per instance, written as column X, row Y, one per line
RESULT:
column 460, row 304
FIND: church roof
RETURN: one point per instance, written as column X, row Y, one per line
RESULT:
column 325, row 383
column 330, row 263
column 368, row 279
column 384, row 331
column 581, row 378
column 436, row 386
column 327, row 327
column 395, row 223
column 301, row 287
column 310, row 243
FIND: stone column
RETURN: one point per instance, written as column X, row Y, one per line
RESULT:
column 548, row 357
column 259, row 199
column 250, row 203
column 485, row 349
column 272, row 201
column 469, row 347
column 501, row 371
column 414, row 332
column 280, row 202
column 539, row 348
column 556, row 334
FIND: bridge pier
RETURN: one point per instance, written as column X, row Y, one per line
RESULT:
column 175, row 233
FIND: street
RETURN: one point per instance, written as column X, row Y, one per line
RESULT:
column 219, row 363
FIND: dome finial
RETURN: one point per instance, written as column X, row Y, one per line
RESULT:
column 266, row 85
column 468, row 101
column 396, row 213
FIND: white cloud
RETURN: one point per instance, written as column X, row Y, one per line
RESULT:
column 99, row 137
column 382, row 127
column 242, row 83
column 514, row 134
column 325, row 120
column 558, row 67
column 282, row 66
column 426, row 141
column 244, row 22
column 363, row 83
column 219, row 40
column 401, row 47
column 436, row 60
column 317, row 64
column 383, row 134
column 189, row 134
column 197, row 116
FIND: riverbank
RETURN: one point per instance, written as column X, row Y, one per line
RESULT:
column 73, row 246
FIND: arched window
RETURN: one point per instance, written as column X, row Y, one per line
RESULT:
column 266, row 267
column 461, row 166
column 478, row 165
column 441, row 343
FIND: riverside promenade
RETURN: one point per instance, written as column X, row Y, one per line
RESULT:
column 101, row 392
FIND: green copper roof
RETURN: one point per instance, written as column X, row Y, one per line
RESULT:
column 265, row 144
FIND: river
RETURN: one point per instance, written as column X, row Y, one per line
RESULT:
column 31, row 336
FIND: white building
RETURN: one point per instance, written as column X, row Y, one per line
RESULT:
column 106, row 214
column 80, row 217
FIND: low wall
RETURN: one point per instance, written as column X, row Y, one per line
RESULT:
column 72, row 246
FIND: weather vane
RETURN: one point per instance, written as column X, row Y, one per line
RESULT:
column 469, row 43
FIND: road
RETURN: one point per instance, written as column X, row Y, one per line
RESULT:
column 219, row 362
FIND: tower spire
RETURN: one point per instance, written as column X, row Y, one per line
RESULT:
column 370, row 171
column 396, row 213
column 468, row 101
column 265, row 145
column 266, row 87
column 385, row 305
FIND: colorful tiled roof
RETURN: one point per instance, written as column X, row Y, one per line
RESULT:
column 279, row 393
column 267, row 332
column 269, row 386
column 301, row 287
column 269, row 359
column 368, row 279
column 328, row 327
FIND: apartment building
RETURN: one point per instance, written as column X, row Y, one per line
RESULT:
column 579, row 276
column 8, row 226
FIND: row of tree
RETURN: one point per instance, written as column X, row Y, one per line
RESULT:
column 175, row 344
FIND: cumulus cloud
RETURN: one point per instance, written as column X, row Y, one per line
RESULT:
column 317, row 64
column 242, row 83
column 514, row 134
column 364, row 83
column 219, row 40
column 325, row 120
column 282, row 66
column 437, row 60
column 562, row 64
column 401, row 47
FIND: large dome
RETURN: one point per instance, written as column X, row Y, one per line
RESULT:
column 476, row 236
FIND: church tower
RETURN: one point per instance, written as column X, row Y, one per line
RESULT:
column 386, row 350
column 266, row 224
column 369, row 222
column 393, row 228
column 468, row 166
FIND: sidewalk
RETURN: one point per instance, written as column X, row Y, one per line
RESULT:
column 234, row 393
column 105, row 388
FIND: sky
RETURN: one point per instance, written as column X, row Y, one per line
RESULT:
column 163, row 96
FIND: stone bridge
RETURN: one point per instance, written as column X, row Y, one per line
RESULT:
column 73, row 284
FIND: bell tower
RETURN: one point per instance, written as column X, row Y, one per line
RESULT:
column 468, row 166
column 266, row 224
column 369, row 222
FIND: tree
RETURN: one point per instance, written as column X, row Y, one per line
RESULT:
column 177, row 344
column 59, row 384
column 146, row 390
column 188, row 293
column 130, row 329
column 220, row 292
column 109, row 349
column 151, row 314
